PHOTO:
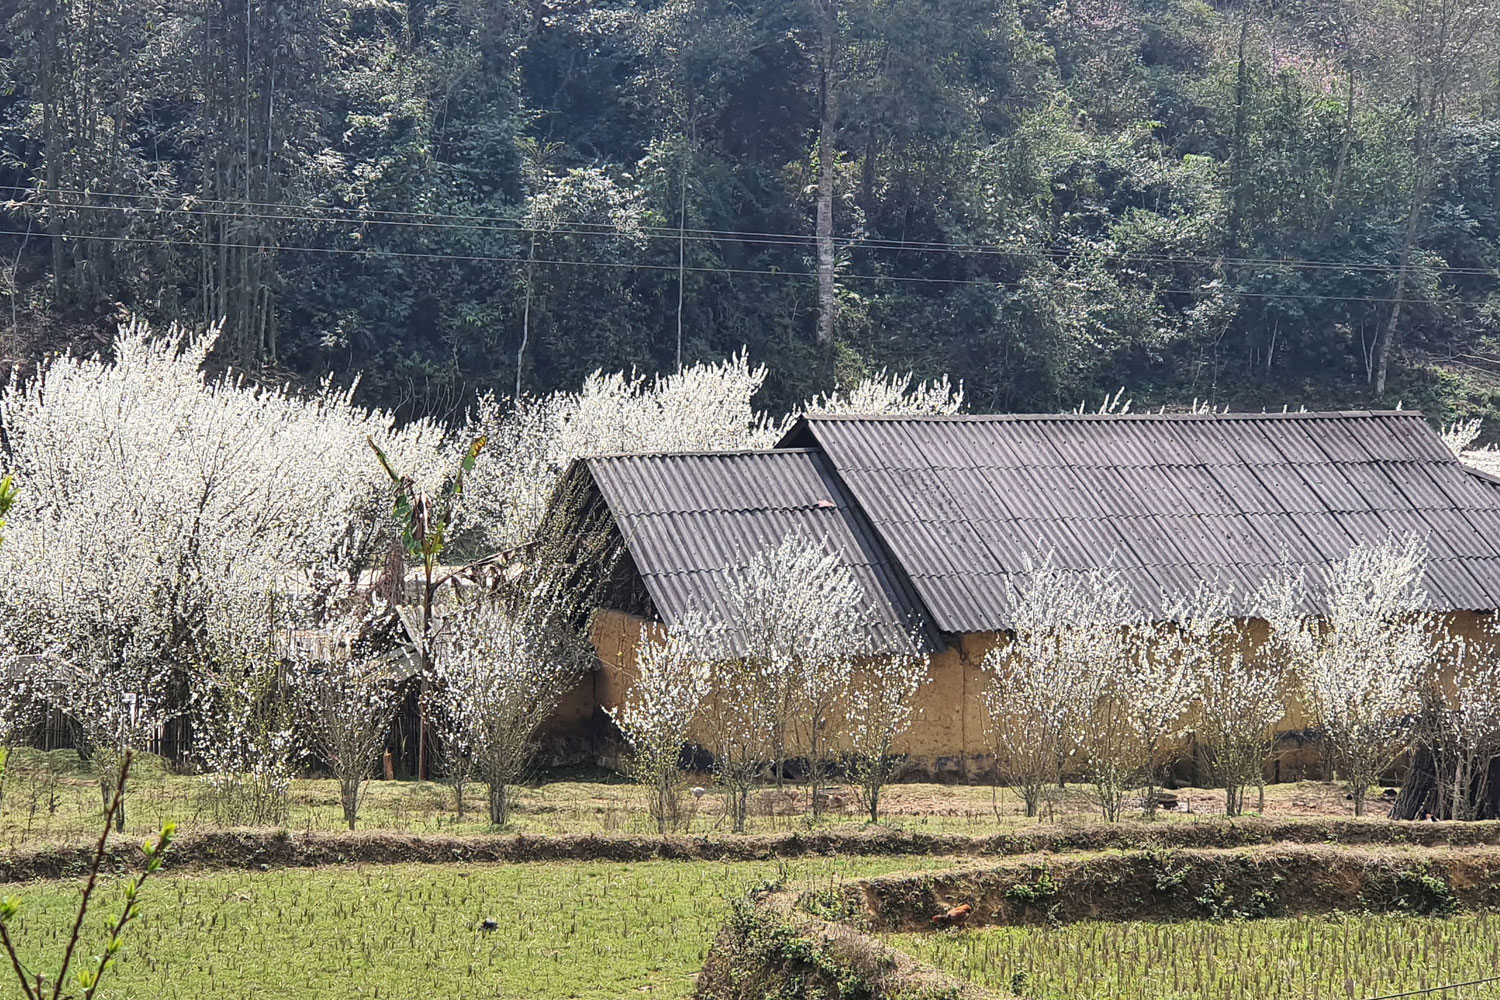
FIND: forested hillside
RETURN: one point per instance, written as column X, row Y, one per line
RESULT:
column 1252, row 203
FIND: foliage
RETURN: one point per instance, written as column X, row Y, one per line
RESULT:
column 1198, row 200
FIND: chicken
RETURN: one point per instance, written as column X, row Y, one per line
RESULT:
column 954, row 917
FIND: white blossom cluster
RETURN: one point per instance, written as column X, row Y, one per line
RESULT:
column 788, row 664
column 705, row 407
column 501, row 669
column 1086, row 677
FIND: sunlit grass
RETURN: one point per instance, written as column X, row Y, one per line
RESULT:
column 575, row 930
column 53, row 797
column 1342, row 957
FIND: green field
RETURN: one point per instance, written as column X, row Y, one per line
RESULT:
column 1343, row 957
column 585, row 930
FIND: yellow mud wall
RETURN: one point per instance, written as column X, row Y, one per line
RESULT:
column 948, row 737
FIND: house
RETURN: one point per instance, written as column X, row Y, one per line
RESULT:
column 935, row 516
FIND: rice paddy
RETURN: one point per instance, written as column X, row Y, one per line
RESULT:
column 587, row 930
column 1341, row 957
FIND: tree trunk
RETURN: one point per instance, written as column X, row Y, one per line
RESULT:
column 1388, row 333
column 499, row 803
column 1241, row 116
column 1335, row 187
column 1421, row 796
column 349, row 798
column 827, row 293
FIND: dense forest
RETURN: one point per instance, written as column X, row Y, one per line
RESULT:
column 1252, row 203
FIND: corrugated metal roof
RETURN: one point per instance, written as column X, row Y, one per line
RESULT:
column 691, row 521
column 959, row 502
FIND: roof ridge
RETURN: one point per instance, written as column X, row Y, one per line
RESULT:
column 1007, row 417
column 728, row 452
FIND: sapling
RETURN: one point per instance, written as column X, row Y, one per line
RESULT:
column 87, row 981
column 658, row 712
column 1361, row 663
column 881, row 703
column 346, row 699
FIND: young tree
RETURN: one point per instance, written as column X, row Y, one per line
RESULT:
column 795, row 614
column 1063, row 684
column 741, row 733
column 880, row 706
column 1241, row 694
column 426, row 519
column 658, row 712
column 503, row 667
column 1360, row 664
column 347, row 699
column 1032, row 693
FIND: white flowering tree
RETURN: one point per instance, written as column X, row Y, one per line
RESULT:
column 741, row 733
column 891, row 393
column 346, row 696
column 1168, row 664
column 1241, row 691
column 880, row 704
column 246, row 738
column 708, row 406
column 656, row 717
column 796, row 616
column 501, row 669
column 1360, row 665
column 1060, row 685
column 157, row 495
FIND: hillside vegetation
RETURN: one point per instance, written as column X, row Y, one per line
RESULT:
column 1255, row 203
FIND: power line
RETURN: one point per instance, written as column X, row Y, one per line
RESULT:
column 282, row 211
column 632, row 265
column 1437, row 989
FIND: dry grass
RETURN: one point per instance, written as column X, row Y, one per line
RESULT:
column 53, row 798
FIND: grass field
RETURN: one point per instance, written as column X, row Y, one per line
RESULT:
column 53, row 797
column 1343, row 957
column 585, row 930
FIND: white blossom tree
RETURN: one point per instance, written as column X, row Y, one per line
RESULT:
column 657, row 715
column 501, row 669
column 158, row 495
column 1241, row 691
column 246, row 738
column 1360, row 664
column 347, row 696
column 708, row 406
column 796, row 615
column 1062, row 685
column 891, row 393
column 880, row 704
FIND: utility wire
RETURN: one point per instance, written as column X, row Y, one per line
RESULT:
column 1437, row 989
column 282, row 211
column 632, row 265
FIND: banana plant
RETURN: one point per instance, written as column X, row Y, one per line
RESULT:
column 7, row 500
column 425, row 519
